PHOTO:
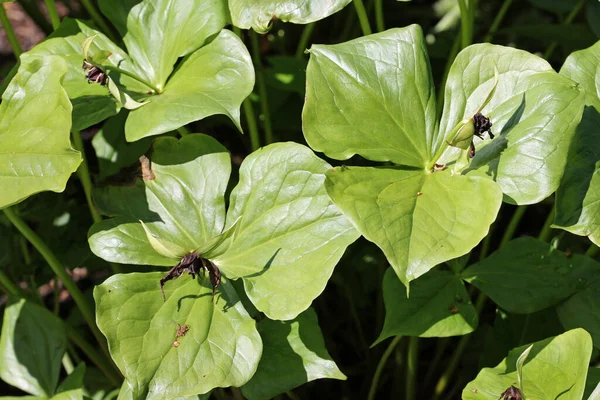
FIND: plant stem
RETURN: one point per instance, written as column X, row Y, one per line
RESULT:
column 465, row 24
column 67, row 363
column 183, row 131
column 10, row 33
column 567, row 21
column 86, row 309
column 362, row 17
column 497, row 21
column 303, row 44
column 386, row 354
column 9, row 285
column 53, row 12
column 453, row 52
column 379, row 24
column 592, row 251
column 546, row 231
column 98, row 20
column 411, row 367
column 262, row 87
column 442, row 344
column 512, row 225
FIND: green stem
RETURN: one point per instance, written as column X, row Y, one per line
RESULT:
column 497, row 21
column 362, row 17
column 442, row 344
column 183, row 131
column 411, row 367
column 86, row 309
column 592, row 251
column 10, row 33
column 379, row 24
column 9, row 285
column 567, row 21
column 262, row 87
column 386, row 354
column 53, row 12
column 465, row 24
column 453, row 52
column 98, row 20
column 512, row 225
column 546, row 231
column 67, row 363
column 304, row 39
column 33, row 11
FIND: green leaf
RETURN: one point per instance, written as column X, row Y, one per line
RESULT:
column 35, row 122
column 557, row 6
column 372, row 96
column 555, row 368
column 72, row 387
column 31, row 346
column 528, row 275
column 582, row 311
column 593, row 16
column 259, row 15
column 592, row 384
column 438, row 306
column 289, row 235
column 294, row 353
column 418, row 219
column 213, row 80
column 158, row 32
column 534, row 113
column 184, row 204
column 221, row 348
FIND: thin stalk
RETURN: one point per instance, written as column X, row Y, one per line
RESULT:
column 10, row 33
column 465, row 24
column 262, row 87
column 386, row 354
column 98, row 20
column 53, row 12
column 33, row 11
column 411, row 367
column 546, row 231
column 304, row 39
column 379, row 24
column 362, row 17
column 592, row 251
column 497, row 21
column 567, row 21
column 512, row 225
column 9, row 286
column 86, row 309
column 439, row 353
column 485, row 246
column 183, row 131
column 453, row 52
column 56, row 290
column 67, row 363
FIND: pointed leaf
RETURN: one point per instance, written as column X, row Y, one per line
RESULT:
column 212, row 80
column 158, row 32
column 184, row 204
column 556, row 368
column 438, row 306
column 35, row 123
column 372, row 96
column 418, row 219
column 72, row 387
column 32, row 344
column 520, row 362
column 259, row 15
column 290, row 235
column 294, row 353
column 221, row 347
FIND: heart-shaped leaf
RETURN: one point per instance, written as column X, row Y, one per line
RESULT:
column 35, row 123
column 294, row 353
column 32, row 344
column 418, row 219
column 555, row 368
column 213, row 80
column 438, row 306
column 259, row 15
column 187, row 345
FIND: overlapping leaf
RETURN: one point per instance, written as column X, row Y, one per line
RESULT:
column 220, row 348
column 582, row 310
column 35, row 123
column 259, row 14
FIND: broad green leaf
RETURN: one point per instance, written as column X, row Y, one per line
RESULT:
column 294, row 353
column 158, row 32
column 32, row 344
column 533, row 114
column 184, row 204
column 72, row 387
column 35, row 123
column 592, row 385
column 582, row 310
column 289, row 235
column 213, row 80
column 528, row 275
column 418, row 219
column 438, row 306
column 556, row 368
column 221, row 348
column 372, row 96
column 260, row 14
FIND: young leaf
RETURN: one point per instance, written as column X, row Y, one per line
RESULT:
column 294, row 353
column 35, row 122
column 259, row 15
column 372, row 96
column 32, row 344
column 220, row 348
column 438, row 306
column 555, row 368
column 520, row 362
column 418, row 219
